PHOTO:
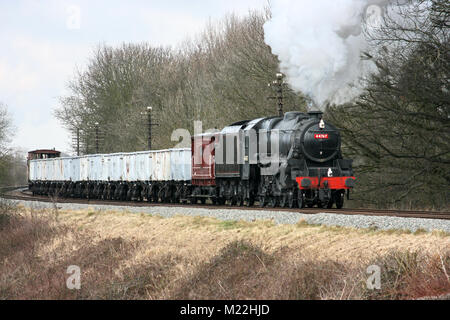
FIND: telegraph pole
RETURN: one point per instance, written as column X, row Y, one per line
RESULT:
column 150, row 124
column 278, row 84
column 280, row 94
column 96, row 138
column 78, row 142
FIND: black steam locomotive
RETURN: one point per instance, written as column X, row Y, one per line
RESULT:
column 293, row 160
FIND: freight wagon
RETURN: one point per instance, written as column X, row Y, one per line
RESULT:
column 160, row 175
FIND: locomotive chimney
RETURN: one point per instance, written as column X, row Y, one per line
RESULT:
column 315, row 114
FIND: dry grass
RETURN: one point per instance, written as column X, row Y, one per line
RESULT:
column 137, row 256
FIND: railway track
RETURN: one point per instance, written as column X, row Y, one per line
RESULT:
column 21, row 194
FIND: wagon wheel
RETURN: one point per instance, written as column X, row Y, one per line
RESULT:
column 168, row 196
column 175, row 198
column 235, row 195
column 262, row 201
column 301, row 200
column 154, row 195
column 340, row 200
column 283, row 200
column 290, row 199
column 242, row 193
column 184, row 195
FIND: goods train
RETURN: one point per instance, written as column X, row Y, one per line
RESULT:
column 287, row 161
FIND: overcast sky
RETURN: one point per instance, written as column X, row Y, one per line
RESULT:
column 43, row 41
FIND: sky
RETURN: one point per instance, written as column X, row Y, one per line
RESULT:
column 43, row 42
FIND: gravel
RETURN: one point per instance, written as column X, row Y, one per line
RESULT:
column 279, row 217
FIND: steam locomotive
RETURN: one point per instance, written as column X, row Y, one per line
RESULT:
column 286, row 161
column 305, row 167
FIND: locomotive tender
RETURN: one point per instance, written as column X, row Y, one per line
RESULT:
column 292, row 160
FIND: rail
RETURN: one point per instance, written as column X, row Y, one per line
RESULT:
column 19, row 194
column 11, row 188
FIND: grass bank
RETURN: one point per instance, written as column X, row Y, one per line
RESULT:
column 125, row 255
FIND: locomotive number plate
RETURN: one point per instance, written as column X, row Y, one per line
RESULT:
column 321, row 136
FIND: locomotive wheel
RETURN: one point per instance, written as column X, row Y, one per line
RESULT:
column 340, row 200
column 203, row 200
column 330, row 203
column 233, row 201
column 262, row 201
column 300, row 200
column 250, row 202
column 240, row 201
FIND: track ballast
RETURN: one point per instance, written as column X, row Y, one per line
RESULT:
column 22, row 195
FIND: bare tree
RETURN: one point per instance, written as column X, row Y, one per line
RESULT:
column 5, row 127
column 106, row 93
column 221, row 77
column 399, row 128
column 5, row 137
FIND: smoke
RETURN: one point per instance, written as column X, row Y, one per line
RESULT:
column 319, row 44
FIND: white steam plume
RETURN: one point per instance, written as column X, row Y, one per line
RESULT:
column 319, row 44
